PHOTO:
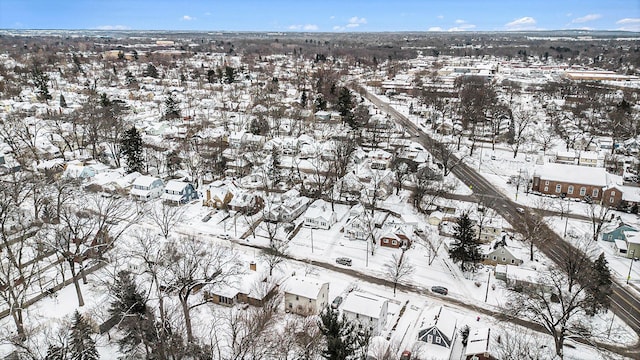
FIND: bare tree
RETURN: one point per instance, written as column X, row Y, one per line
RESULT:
column 518, row 343
column 445, row 153
column 165, row 217
column 598, row 215
column 250, row 332
column 397, row 269
column 563, row 299
column 521, row 120
column 192, row 264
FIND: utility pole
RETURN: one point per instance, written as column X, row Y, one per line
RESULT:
column 633, row 253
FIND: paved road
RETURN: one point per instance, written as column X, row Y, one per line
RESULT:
column 624, row 300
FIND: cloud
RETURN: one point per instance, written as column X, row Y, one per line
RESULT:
column 586, row 18
column 523, row 23
column 435, row 28
column 332, row 17
column 465, row 27
column 112, row 27
column 187, row 18
column 356, row 21
column 629, row 24
column 440, row 17
column 338, row 28
column 306, row 27
column 460, row 21
column 207, row 14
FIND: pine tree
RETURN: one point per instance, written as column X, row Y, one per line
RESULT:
column 129, row 307
column 303, row 99
column 40, row 81
column 132, row 149
column 600, row 286
column 150, row 71
column 82, row 346
column 172, row 110
column 340, row 335
column 55, row 352
column 63, row 102
column 274, row 168
column 466, row 248
column 129, row 79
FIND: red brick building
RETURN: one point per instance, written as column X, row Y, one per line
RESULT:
column 570, row 181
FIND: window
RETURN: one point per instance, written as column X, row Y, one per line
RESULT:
column 393, row 242
column 513, row 261
column 558, row 188
column 583, row 191
column 297, row 297
column 546, row 188
column 438, row 339
column 610, row 237
column 546, row 182
column 494, row 257
column 613, row 193
column 429, row 338
column 504, row 259
column 594, row 193
column 570, row 189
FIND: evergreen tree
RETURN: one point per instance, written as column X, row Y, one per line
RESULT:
column 135, row 319
column 150, row 71
column 466, row 248
column 132, row 149
column 274, row 168
column 172, row 109
column 340, row 334
column 303, row 99
column 55, row 352
column 320, row 103
column 600, row 286
column 63, row 102
column 129, row 79
column 82, row 346
column 229, row 74
column 40, row 81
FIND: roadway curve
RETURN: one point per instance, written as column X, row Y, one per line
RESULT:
column 624, row 302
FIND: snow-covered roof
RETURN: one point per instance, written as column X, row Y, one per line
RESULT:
column 572, row 174
column 319, row 209
column 442, row 318
column 144, row 180
column 175, row 185
column 478, row 341
column 364, row 304
column 307, row 287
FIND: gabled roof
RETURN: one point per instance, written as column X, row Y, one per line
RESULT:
column 441, row 318
column 364, row 304
column 478, row 341
column 144, row 180
column 176, row 185
column 572, row 174
column 306, row 287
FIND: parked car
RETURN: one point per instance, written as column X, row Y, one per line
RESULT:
column 440, row 290
column 343, row 261
column 406, row 355
column 206, row 218
column 336, row 302
column 520, row 210
column 224, row 236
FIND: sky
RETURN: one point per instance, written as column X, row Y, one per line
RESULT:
column 322, row 15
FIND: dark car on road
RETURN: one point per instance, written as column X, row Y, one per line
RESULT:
column 439, row 290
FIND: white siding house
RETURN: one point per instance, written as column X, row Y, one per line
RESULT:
column 319, row 215
column 305, row 296
column 146, row 188
column 368, row 310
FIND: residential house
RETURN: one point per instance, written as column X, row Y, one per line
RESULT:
column 566, row 157
column 253, row 288
column 519, row 278
column 621, row 196
column 438, row 329
column 179, row 192
column 571, row 181
column 394, row 237
column 489, row 230
column 319, row 215
column 380, row 159
column 479, row 345
column 219, row 193
column 501, row 254
column 236, row 139
column 588, row 158
column 146, row 187
column 367, row 310
column 615, row 231
column 305, row 295
column 629, row 246
column 322, row 115
column 291, row 206
column 245, row 202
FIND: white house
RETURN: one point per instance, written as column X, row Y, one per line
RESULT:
column 437, row 333
column 368, row 310
column 305, row 296
column 320, row 215
column 179, row 192
column 147, row 187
